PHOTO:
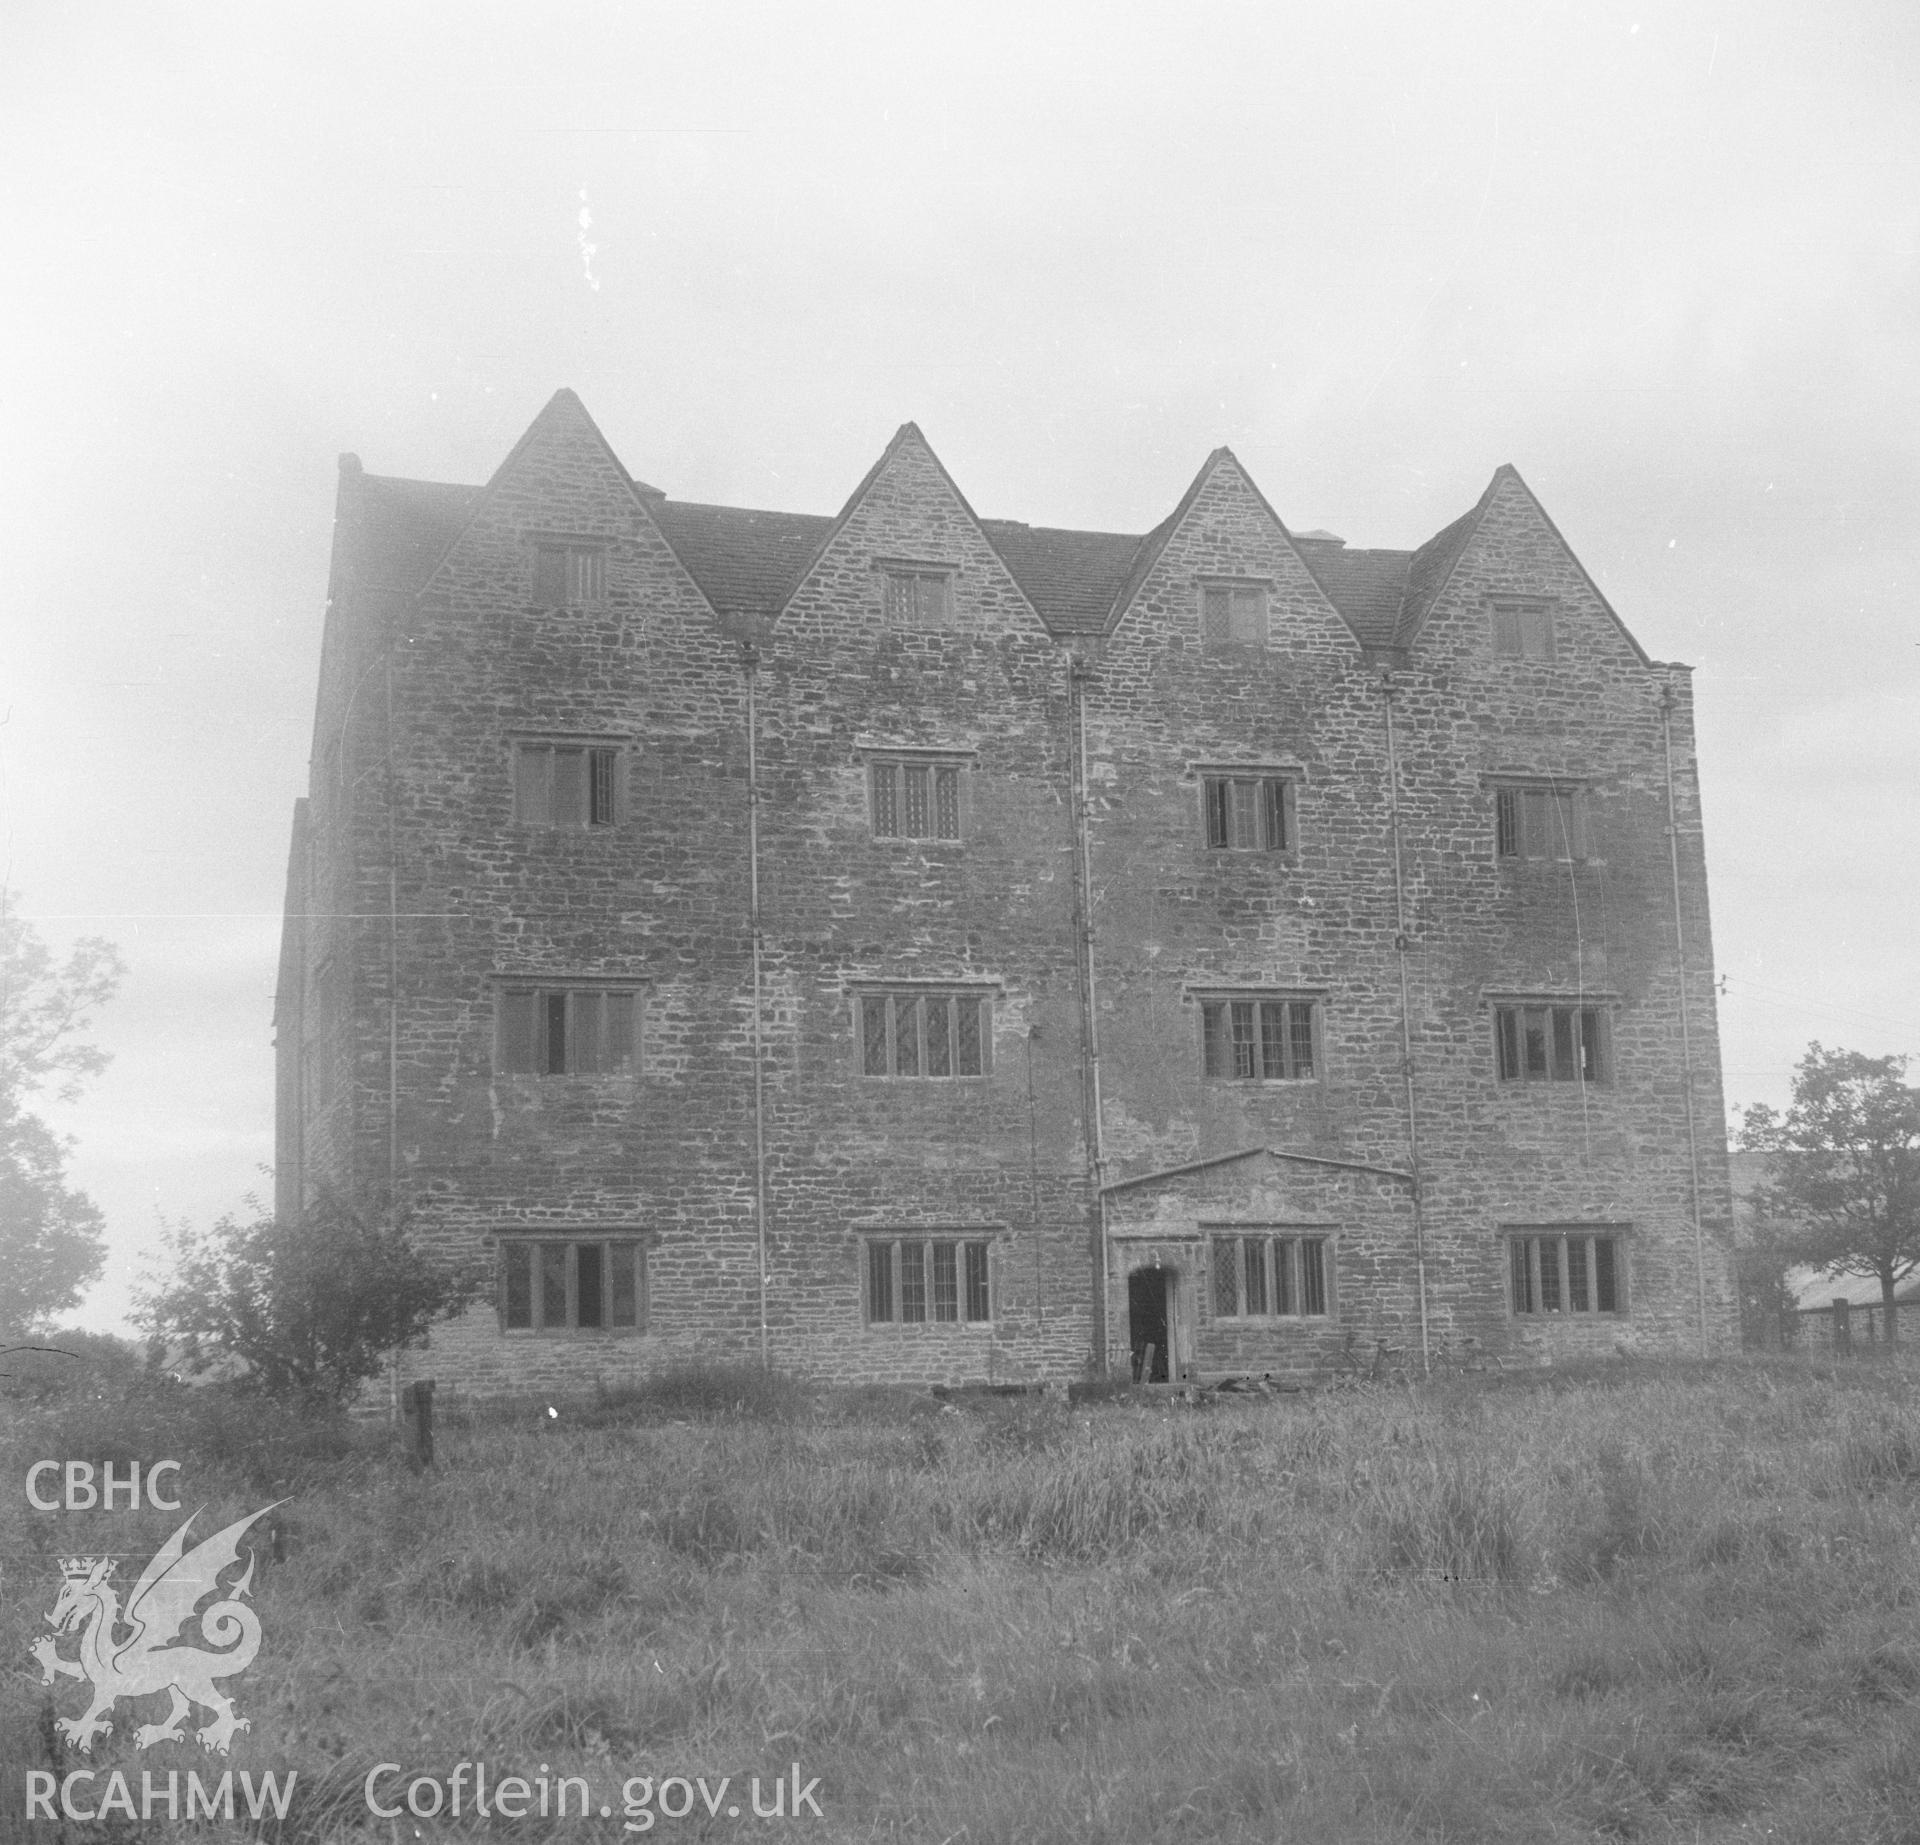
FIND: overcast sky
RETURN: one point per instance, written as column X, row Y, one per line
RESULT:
column 1660, row 257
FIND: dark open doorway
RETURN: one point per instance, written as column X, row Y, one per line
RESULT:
column 1150, row 1323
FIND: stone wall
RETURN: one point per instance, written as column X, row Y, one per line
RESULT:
column 418, row 867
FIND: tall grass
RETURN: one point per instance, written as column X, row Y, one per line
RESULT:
column 1658, row 1604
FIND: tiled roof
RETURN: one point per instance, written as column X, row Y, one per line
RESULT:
column 1433, row 563
column 1072, row 578
column 749, row 562
column 1367, row 587
column 405, row 527
column 746, row 563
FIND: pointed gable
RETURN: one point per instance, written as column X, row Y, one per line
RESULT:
column 907, row 518
column 1224, row 528
column 560, row 478
column 1505, row 546
column 561, row 485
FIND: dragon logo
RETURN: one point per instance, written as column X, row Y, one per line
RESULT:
column 145, row 1660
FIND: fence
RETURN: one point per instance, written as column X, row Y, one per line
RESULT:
column 1848, row 1326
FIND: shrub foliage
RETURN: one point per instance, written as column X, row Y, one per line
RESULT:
column 1844, row 1168
column 51, row 1236
column 311, row 1308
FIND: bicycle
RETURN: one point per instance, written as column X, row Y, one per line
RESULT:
column 1386, row 1365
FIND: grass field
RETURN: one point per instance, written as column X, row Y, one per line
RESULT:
column 1635, row 1602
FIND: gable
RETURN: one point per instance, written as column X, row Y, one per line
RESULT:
column 1224, row 532
column 1508, row 554
column 907, row 522
column 560, row 486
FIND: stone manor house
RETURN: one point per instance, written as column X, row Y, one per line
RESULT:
column 904, row 945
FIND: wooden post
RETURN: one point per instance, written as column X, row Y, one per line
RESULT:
column 1842, row 1332
column 416, row 1410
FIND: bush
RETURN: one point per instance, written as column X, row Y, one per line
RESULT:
column 65, row 1365
column 311, row 1308
column 137, row 1416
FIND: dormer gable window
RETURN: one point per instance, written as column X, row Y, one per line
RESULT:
column 1232, row 615
column 917, row 595
column 568, row 575
column 1522, row 631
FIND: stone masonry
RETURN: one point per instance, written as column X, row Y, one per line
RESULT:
column 1081, row 700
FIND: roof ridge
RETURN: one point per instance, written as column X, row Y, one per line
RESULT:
column 769, row 512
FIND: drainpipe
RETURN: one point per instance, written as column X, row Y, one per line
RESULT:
column 750, row 662
column 393, row 1015
column 1401, row 948
column 1033, row 1185
column 393, row 962
column 1078, row 674
column 1686, row 1031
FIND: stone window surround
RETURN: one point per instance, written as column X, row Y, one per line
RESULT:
column 986, row 991
column 1233, row 585
column 544, row 985
column 1604, row 1003
column 1577, row 788
column 1288, row 774
column 1521, row 628
column 619, row 745
column 890, row 1235
column 571, row 1238
column 1266, row 1235
column 1527, row 1287
column 873, row 756
column 592, row 548
column 1225, row 994
column 892, row 573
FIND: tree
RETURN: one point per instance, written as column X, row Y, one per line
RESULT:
column 51, row 1245
column 1843, row 1171
column 1765, row 1256
column 312, row 1308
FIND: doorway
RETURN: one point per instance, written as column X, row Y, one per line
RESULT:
column 1150, row 1323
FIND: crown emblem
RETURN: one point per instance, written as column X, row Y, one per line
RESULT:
column 78, row 1569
